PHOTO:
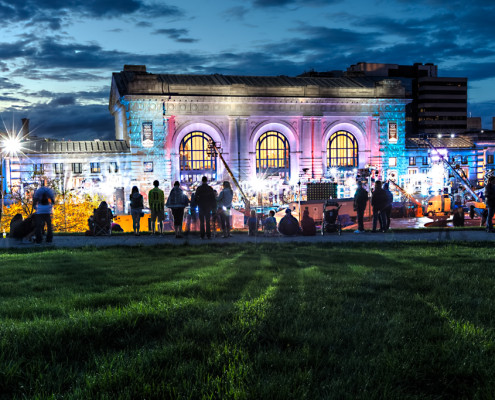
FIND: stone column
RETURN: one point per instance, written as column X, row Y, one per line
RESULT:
column 246, row 170
column 170, row 159
column 233, row 147
column 317, row 150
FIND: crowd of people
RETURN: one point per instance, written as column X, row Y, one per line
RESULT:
column 212, row 207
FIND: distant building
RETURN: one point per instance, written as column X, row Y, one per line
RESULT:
column 438, row 106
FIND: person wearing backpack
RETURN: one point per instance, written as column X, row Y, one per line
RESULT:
column 177, row 201
column 137, row 206
column 43, row 200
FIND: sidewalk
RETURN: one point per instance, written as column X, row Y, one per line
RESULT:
column 69, row 241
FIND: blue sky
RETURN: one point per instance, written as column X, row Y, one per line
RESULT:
column 57, row 56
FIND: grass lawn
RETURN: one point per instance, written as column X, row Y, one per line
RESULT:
column 396, row 321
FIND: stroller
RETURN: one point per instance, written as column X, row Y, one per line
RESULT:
column 331, row 221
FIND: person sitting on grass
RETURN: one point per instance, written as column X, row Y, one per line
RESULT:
column 21, row 229
column 253, row 224
column 308, row 224
column 288, row 225
column 271, row 224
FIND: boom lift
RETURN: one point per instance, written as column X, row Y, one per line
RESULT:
column 213, row 150
column 419, row 212
column 464, row 181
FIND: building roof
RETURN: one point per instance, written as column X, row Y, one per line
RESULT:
column 64, row 147
column 457, row 142
column 135, row 81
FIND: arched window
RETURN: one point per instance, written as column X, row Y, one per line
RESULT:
column 342, row 150
column 195, row 160
column 272, row 155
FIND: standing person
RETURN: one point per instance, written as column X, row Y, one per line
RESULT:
column 378, row 202
column 206, row 201
column 43, row 201
column 177, row 201
column 156, row 200
column 490, row 203
column 224, row 205
column 388, row 207
column 137, row 206
column 191, row 220
column 360, row 202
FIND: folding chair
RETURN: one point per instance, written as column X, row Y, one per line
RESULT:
column 102, row 223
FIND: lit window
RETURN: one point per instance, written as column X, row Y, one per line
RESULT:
column 412, row 171
column 392, row 162
column 489, row 159
column 272, row 155
column 77, row 168
column 94, row 167
column 195, row 159
column 148, row 166
column 412, row 160
column 342, row 150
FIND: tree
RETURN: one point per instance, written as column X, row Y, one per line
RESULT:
column 70, row 212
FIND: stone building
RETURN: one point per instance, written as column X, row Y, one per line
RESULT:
column 274, row 133
column 275, row 128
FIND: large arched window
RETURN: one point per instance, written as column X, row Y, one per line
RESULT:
column 195, row 160
column 272, row 155
column 342, row 150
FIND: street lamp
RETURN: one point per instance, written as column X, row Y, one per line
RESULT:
column 9, row 146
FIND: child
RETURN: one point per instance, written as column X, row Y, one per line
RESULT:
column 253, row 224
column 271, row 224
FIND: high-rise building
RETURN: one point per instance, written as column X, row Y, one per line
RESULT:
column 438, row 105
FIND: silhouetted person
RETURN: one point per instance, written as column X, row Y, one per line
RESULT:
column 360, row 202
column 206, row 201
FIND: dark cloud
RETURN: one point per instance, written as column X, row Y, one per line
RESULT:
column 12, row 99
column 144, row 24
column 67, row 121
column 175, row 34
column 5, row 83
column 474, row 71
column 67, row 100
column 285, row 3
column 61, row 75
column 54, row 12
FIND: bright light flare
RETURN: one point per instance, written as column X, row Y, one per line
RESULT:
column 258, row 185
column 11, row 145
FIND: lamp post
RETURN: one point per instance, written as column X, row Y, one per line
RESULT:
column 10, row 145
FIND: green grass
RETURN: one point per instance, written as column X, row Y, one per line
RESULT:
column 395, row 321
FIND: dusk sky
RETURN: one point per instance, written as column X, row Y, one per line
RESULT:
column 57, row 56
